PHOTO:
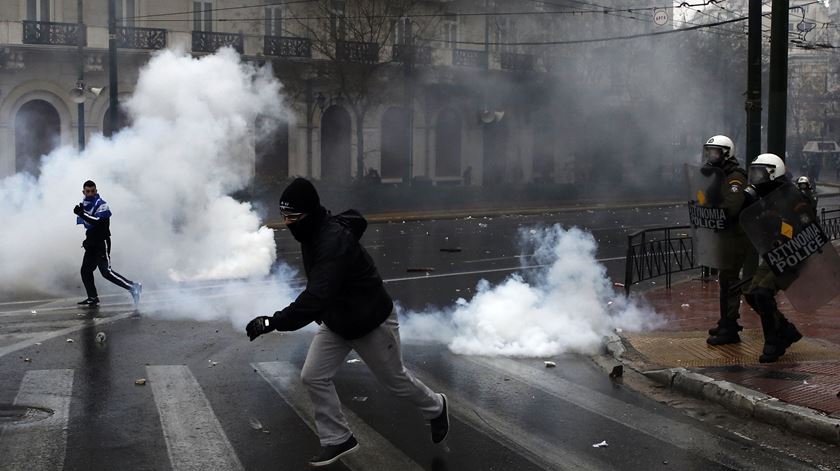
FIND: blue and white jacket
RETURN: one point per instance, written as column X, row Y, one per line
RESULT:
column 96, row 217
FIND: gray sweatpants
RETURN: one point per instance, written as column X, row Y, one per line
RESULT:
column 381, row 352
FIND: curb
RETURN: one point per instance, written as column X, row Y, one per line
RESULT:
column 485, row 212
column 738, row 398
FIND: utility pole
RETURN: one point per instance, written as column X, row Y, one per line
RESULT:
column 777, row 107
column 112, row 65
column 753, row 103
column 81, row 75
column 408, row 67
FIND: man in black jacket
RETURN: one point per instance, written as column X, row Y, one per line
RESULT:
column 345, row 295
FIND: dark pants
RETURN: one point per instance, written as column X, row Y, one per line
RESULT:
column 743, row 257
column 99, row 256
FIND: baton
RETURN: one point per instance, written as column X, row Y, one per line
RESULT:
column 740, row 283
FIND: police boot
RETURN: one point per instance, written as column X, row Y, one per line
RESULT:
column 725, row 333
column 773, row 348
column 720, row 325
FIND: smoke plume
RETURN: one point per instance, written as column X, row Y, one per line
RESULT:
column 167, row 178
column 567, row 306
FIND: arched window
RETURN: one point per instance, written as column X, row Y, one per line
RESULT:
column 335, row 144
column 395, row 145
column 448, row 144
column 495, row 152
column 37, row 133
column 272, row 150
column 122, row 121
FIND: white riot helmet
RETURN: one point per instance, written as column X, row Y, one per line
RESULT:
column 766, row 168
column 717, row 149
column 803, row 182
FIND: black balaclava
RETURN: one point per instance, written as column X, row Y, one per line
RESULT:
column 301, row 197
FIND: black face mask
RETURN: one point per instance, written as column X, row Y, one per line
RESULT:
column 304, row 230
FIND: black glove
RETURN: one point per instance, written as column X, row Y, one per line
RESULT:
column 258, row 326
column 707, row 170
column 78, row 210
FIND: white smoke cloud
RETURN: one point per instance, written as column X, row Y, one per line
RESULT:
column 167, row 179
column 566, row 307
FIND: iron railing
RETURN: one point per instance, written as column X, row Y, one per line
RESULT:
column 54, row 34
column 207, row 41
column 830, row 223
column 357, row 51
column 469, row 58
column 129, row 37
column 519, row 62
column 285, row 46
column 656, row 252
column 420, row 55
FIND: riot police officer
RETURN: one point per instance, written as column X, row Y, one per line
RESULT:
column 805, row 186
column 736, row 252
column 767, row 174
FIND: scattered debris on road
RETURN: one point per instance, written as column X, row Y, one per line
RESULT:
column 617, row 372
column 255, row 423
column 360, row 398
column 28, row 360
column 211, row 363
column 618, row 285
column 100, row 337
column 419, row 269
column 451, row 249
column 140, row 382
column 354, row 360
column 603, row 444
column 70, row 340
column 550, row 364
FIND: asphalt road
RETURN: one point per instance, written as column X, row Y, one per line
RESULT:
column 213, row 400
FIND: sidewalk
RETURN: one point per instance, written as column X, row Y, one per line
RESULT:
column 801, row 391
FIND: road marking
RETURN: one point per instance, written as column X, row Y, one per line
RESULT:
column 194, row 437
column 502, row 428
column 40, row 445
column 41, row 337
column 714, row 448
column 376, row 452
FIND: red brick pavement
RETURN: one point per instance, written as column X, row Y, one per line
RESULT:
column 693, row 306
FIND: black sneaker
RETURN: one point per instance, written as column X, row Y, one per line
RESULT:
column 332, row 453
column 440, row 424
column 136, row 290
column 89, row 302
column 717, row 328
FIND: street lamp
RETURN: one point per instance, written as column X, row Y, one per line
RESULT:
column 79, row 93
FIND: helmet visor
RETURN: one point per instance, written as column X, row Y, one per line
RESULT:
column 712, row 155
column 759, row 174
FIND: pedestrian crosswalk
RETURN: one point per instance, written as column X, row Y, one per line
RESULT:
column 198, row 439
column 41, row 445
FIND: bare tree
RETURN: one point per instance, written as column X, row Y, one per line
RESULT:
column 350, row 36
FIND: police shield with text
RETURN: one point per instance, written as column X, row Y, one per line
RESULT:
column 715, row 202
column 796, row 255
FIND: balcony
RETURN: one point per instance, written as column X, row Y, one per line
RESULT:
column 469, row 58
column 281, row 46
column 517, row 62
column 140, row 38
column 207, row 41
column 54, row 34
column 420, row 55
column 356, row 51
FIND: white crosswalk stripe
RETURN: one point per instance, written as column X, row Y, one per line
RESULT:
column 39, row 445
column 376, row 452
column 194, row 437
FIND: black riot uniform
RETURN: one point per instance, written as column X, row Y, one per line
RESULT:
column 738, row 255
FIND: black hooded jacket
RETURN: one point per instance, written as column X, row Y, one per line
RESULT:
column 343, row 286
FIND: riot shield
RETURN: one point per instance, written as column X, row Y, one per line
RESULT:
column 707, row 218
column 786, row 233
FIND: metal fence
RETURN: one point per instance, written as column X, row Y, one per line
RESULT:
column 661, row 251
column 830, row 222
